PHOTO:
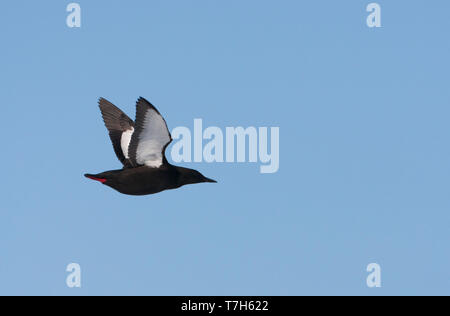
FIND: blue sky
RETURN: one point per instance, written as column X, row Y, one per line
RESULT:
column 364, row 147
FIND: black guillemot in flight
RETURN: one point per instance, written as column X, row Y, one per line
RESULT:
column 140, row 146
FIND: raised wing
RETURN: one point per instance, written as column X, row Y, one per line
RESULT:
column 150, row 138
column 120, row 128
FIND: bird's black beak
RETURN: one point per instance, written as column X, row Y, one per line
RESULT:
column 209, row 180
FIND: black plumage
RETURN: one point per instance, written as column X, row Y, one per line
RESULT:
column 140, row 146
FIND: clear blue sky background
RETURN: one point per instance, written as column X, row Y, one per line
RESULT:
column 365, row 147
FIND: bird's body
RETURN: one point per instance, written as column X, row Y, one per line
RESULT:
column 140, row 147
column 145, row 180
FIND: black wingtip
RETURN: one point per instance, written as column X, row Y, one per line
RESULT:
column 102, row 101
column 144, row 100
column 147, row 103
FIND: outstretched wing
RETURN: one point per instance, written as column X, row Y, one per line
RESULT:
column 150, row 138
column 120, row 128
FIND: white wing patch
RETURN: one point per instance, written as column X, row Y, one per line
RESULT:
column 125, row 141
column 152, row 140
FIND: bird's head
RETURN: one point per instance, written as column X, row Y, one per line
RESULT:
column 191, row 176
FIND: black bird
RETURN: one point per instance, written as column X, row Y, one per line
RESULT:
column 140, row 146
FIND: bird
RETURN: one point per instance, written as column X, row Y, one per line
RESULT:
column 140, row 146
